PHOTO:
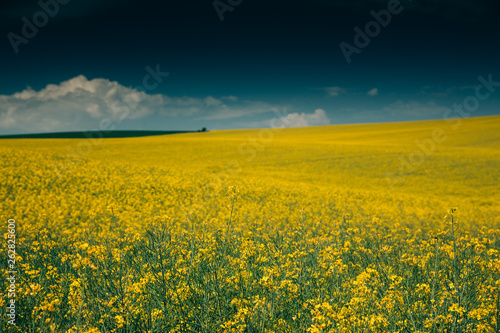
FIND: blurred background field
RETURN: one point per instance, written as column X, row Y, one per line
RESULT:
column 315, row 229
column 327, row 170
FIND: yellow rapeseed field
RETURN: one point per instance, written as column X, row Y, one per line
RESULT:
column 354, row 228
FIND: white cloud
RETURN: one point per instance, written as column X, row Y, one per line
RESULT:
column 373, row 92
column 335, row 91
column 295, row 119
column 7, row 118
column 231, row 111
column 414, row 108
column 79, row 104
column 75, row 104
column 211, row 101
column 231, row 98
column 442, row 92
column 93, row 111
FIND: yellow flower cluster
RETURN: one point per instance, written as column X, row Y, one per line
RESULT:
column 192, row 233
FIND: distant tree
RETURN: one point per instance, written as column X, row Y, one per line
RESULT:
column 204, row 129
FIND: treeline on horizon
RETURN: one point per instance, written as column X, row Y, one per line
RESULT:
column 93, row 134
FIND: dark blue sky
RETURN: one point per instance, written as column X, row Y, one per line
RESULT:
column 232, row 73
